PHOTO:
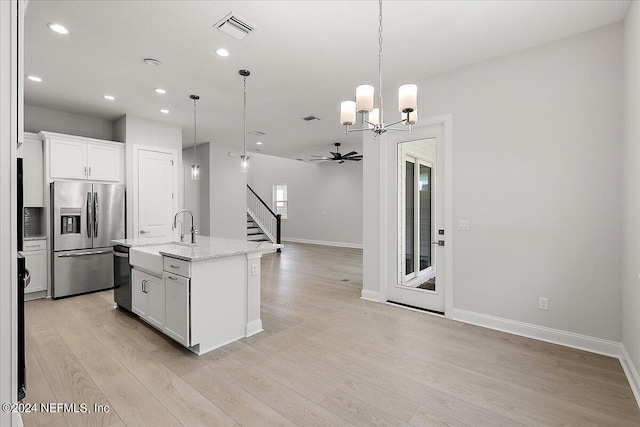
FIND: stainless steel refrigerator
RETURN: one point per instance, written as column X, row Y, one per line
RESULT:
column 85, row 217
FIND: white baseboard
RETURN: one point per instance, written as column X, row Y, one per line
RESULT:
column 631, row 372
column 254, row 327
column 542, row 333
column 370, row 295
column 324, row 243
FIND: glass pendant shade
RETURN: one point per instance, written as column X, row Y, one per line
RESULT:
column 244, row 163
column 364, row 98
column 374, row 118
column 195, row 172
column 348, row 112
column 407, row 98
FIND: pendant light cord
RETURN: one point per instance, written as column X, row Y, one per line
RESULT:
column 380, row 117
column 244, row 117
column 195, row 128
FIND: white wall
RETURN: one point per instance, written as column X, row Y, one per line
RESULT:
column 38, row 118
column 631, row 187
column 536, row 156
column 196, row 193
column 325, row 202
column 138, row 131
column 227, row 189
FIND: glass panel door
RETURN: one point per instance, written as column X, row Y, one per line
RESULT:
column 409, row 219
column 426, row 223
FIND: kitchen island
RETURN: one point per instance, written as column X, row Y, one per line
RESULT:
column 203, row 295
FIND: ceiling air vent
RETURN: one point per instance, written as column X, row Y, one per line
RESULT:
column 256, row 133
column 234, row 26
column 310, row 118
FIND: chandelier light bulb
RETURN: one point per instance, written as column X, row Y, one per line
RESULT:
column 195, row 172
column 413, row 118
column 347, row 112
column 245, row 164
column 374, row 118
column 407, row 98
column 364, row 98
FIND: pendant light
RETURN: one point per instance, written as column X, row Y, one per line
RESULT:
column 195, row 167
column 244, row 158
column 364, row 103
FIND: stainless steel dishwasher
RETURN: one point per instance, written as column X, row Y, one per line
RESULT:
column 122, row 277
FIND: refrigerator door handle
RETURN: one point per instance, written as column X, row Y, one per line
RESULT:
column 95, row 213
column 89, row 219
column 27, row 278
column 80, row 254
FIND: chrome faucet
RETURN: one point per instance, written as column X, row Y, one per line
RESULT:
column 181, row 229
column 193, row 230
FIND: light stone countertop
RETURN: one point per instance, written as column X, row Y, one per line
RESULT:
column 205, row 247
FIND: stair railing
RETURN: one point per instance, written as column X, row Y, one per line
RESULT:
column 269, row 222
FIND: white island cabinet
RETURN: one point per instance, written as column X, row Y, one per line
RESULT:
column 204, row 295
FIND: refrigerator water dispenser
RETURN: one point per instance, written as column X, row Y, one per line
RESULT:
column 70, row 220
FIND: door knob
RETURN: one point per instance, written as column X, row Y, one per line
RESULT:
column 439, row 243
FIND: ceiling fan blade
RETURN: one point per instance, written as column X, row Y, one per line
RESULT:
column 334, row 154
column 359, row 156
column 317, row 155
column 349, row 154
column 320, row 160
column 354, row 159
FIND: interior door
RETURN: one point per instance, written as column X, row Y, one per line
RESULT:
column 155, row 205
column 421, row 239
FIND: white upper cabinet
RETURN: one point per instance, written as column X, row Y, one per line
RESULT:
column 73, row 157
column 68, row 159
column 31, row 154
column 102, row 162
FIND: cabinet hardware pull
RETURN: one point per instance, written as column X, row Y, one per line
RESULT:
column 144, row 286
column 171, row 277
column 89, row 171
column 173, row 266
column 85, row 171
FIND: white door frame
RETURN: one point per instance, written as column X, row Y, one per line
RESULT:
column 388, row 203
column 134, row 190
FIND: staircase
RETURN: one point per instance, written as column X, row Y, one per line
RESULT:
column 254, row 233
column 263, row 224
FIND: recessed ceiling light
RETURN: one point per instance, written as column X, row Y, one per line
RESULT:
column 160, row 90
column 151, row 61
column 109, row 97
column 259, row 143
column 57, row 28
column 34, row 78
column 164, row 111
column 222, row 52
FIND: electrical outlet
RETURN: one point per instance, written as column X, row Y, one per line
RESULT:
column 543, row 303
column 254, row 269
column 463, row 225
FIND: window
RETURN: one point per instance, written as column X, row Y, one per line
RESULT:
column 281, row 200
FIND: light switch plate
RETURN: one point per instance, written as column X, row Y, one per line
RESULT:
column 463, row 225
column 254, row 269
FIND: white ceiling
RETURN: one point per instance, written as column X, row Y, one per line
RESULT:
column 306, row 57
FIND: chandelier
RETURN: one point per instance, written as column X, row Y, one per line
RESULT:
column 364, row 103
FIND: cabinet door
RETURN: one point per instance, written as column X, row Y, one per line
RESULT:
column 138, row 296
column 31, row 154
column 176, row 322
column 68, row 159
column 155, row 304
column 36, row 263
column 102, row 162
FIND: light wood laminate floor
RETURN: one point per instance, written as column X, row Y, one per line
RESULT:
column 326, row 357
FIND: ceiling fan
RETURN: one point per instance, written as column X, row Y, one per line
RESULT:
column 337, row 156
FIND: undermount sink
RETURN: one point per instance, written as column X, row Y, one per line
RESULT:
column 146, row 258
